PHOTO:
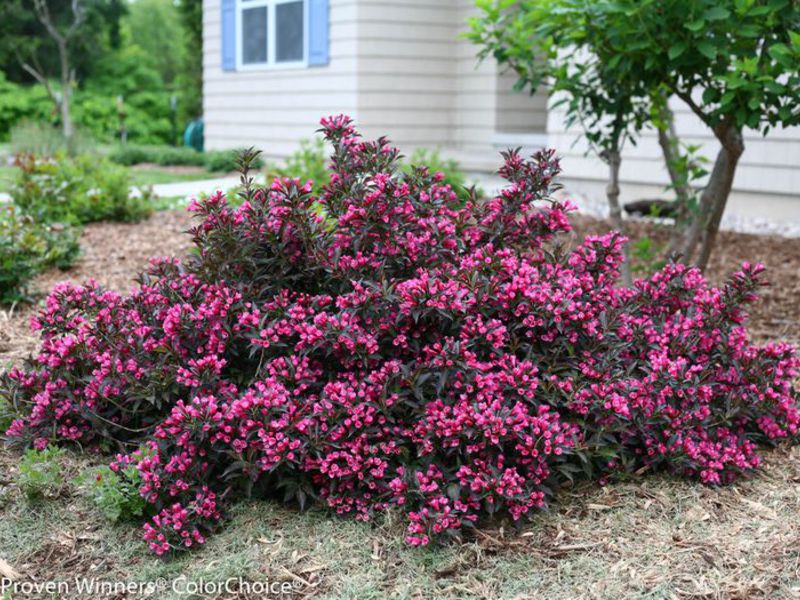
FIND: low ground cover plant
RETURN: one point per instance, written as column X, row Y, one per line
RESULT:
column 40, row 473
column 115, row 494
column 28, row 248
column 388, row 344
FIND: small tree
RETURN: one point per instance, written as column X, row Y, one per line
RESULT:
column 735, row 63
column 541, row 48
column 62, row 28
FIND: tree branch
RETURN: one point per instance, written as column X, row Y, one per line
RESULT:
column 687, row 97
column 37, row 73
column 43, row 14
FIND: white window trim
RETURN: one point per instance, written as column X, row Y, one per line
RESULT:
column 271, row 64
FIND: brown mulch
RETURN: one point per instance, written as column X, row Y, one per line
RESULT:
column 114, row 253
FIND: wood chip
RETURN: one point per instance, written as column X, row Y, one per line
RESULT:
column 7, row 571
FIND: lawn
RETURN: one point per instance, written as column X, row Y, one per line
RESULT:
column 656, row 537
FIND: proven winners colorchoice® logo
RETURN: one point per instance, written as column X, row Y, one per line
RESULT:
column 96, row 588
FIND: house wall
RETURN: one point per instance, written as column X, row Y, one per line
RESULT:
column 398, row 68
column 406, row 74
column 274, row 109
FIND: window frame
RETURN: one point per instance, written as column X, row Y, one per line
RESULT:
column 271, row 64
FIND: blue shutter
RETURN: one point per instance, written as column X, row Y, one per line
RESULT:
column 318, row 32
column 228, row 35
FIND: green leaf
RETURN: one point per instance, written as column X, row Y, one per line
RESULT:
column 707, row 49
column 710, row 95
column 696, row 26
column 676, row 50
column 779, row 51
column 774, row 87
column 727, row 98
column 717, row 13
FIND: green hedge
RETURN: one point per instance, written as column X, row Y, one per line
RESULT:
column 215, row 160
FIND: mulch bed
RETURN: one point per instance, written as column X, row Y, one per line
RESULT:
column 114, row 253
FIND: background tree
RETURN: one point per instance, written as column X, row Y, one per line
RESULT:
column 156, row 27
column 57, row 39
column 735, row 63
column 191, row 79
column 543, row 49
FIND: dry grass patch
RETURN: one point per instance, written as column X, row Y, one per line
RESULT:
column 650, row 538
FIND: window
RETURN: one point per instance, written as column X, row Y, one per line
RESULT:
column 271, row 33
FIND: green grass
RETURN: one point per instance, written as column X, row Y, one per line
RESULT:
column 6, row 177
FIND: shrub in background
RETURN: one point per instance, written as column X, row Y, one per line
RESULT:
column 77, row 190
column 134, row 154
column 453, row 175
column 27, row 248
column 225, row 161
column 389, row 344
column 213, row 160
column 20, row 103
column 309, row 161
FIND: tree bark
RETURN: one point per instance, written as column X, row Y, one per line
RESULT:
column 66, row 92
column 62, row 40
column 670, row 149
column 704, row 228
column 615, row 212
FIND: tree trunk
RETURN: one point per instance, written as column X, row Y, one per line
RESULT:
column 670, row 149
column 704, row 229
column 612, row 193
column 66, row 92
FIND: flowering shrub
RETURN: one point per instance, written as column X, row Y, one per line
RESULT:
column 387, row 344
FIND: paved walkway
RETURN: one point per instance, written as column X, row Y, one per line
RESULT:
column 187, row 189
column 183, row 189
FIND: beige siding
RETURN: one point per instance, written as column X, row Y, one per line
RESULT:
column 399, row 68
column 274, row 109
column 405, row 71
